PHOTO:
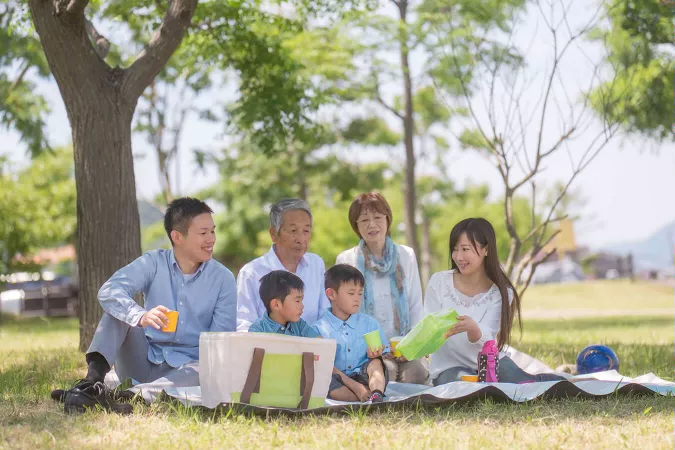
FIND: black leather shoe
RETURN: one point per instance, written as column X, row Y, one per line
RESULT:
column 93, row 396
column 59, row 395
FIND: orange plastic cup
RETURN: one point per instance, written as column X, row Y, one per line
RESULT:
column 470, row 378
column 173, row 322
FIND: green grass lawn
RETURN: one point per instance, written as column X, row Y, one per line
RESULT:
column 601, row 295
column 38, row 355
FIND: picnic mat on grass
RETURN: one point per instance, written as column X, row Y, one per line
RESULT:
column 186, row 389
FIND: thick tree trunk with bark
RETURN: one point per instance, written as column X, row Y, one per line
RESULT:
column 107, row 212
column 100, row 102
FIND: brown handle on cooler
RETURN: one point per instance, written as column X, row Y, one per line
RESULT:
column 306, row 379
column 252, row 383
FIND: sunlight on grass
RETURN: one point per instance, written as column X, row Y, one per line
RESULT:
column 37, row 355
column 599, row 295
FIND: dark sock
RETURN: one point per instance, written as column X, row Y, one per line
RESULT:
column 378, row 391
column 97, row 368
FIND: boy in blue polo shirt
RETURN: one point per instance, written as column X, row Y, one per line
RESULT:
column 360, row 374
column 282, row 293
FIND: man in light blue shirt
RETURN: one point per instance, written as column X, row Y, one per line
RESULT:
column 290, row 229
column 136, row 339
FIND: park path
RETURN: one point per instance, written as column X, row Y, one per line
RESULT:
column 582, row 312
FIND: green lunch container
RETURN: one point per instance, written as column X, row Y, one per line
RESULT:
column 427, row 336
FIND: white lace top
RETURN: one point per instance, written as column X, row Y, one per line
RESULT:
column 484, row 308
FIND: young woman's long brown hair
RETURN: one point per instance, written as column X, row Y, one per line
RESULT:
column 480, row 231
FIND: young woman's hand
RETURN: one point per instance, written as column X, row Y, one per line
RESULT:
column 376, row 354
column 465, row 325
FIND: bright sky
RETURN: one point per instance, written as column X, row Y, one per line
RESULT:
column 627, row 189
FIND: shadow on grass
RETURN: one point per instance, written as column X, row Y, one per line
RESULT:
column 40, row 372
column 26, row 409
column 617, row 406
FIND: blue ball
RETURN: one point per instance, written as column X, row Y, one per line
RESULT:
column 597, row 358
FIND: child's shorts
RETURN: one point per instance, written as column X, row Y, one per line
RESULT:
column 360, row 377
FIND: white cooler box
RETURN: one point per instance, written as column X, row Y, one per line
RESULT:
column 265, row 369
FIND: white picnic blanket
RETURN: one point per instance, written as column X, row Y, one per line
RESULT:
column 186, row 389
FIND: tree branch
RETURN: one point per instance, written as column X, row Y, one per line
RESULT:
column 22, row 74
column 101, row 44
column 76, row 7
column 533, row 268
column 381, row 101
column 163, row 44
column 537, row 228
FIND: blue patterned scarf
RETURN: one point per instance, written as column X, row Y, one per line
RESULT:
column 391, row 266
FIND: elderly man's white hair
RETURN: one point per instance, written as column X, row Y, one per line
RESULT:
column 282, row 206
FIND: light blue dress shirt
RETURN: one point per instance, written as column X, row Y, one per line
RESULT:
column 350, row 353
column 266, row 325
column 205, row 301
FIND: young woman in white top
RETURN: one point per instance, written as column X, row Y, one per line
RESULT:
column 485, row 300
column 393, row 291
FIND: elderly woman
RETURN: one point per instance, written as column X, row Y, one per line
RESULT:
column 393, row 292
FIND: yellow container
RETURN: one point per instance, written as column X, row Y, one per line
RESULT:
column 393, row 343
column 470, row 378
column 173, row 322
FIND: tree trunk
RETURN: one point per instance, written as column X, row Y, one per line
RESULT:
column 100, row 103
column 426, row 251
column 515, row 245
column 107, row 212
column 410, row 203
column 164, row 177
column 301, row 170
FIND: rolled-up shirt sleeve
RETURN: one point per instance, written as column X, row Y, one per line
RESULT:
column 116, row 294
column 225, row 312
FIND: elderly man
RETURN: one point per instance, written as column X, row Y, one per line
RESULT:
column 290, row 229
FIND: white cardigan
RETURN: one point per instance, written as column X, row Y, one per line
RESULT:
column 485, row 309
column 383, row 302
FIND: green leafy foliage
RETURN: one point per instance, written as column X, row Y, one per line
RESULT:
column 37, row 205
column 371, row 131
column 640, row 42
column 251, row 182
column 21, row 108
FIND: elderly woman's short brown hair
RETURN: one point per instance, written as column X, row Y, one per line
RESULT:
column 371, row 201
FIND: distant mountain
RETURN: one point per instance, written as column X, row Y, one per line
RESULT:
column 655, row 252
column 149, row 213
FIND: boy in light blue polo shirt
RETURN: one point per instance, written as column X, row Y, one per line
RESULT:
column 360, row 374
column 282, row 293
